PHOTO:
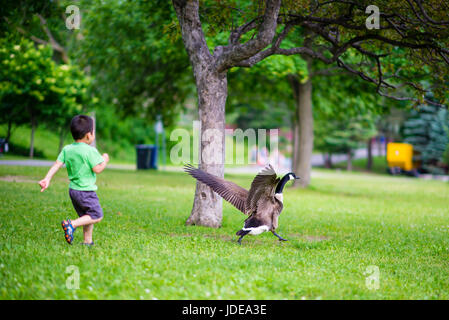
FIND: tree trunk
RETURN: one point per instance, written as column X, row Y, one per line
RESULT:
column 304, row 150
column 295, row 151
column 212, row 93
column 212, row 90
column 369, row 160
column 349, row 160
column 210, row 77
column 327, row 160
column 33, row 129
column 303, row 128
column 295, row 126
column 8, row 132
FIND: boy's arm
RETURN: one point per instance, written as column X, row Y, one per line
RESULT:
column 44, row 183
column 100, row 167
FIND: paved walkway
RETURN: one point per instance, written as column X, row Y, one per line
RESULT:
column 317, row 160
column 49, row 163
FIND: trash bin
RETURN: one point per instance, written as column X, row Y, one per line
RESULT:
column 146, row 156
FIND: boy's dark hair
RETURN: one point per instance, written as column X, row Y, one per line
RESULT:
column 81, row 125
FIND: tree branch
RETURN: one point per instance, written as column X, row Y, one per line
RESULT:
column 231, row 55
column 25, row 33
column 426, row 16
column 193, row 37
column 54, row 44
column 235, row 35
column 268, row 52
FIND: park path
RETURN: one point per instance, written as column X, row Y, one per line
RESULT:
column 317, row 160
column 49, row 163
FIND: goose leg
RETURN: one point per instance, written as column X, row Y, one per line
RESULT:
column 241, row 233
column 280, row 238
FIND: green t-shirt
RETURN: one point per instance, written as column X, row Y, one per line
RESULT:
column 79, row 159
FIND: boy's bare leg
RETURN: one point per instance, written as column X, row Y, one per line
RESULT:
column 84, row 220
column 87, row 231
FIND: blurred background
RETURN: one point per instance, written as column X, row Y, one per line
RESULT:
column 124, row 64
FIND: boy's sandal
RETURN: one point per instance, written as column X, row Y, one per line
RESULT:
column 68, row 230
column 88, row 244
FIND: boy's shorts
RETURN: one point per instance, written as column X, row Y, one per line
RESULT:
column 86, row 202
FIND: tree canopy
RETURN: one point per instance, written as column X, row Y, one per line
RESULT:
column 136, row 65
column 33, row 88
column 411, row 33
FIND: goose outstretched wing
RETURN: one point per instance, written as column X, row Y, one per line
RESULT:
column 263, row 185
column 229, row 191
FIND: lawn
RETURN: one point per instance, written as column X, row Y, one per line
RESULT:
column 379, row 165
column 339, row 227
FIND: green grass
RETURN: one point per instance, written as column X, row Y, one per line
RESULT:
column 338, row 227
column 379, row 165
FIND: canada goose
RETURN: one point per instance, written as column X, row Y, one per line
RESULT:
column 262, row 203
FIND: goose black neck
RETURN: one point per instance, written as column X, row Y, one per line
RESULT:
column 281, row 184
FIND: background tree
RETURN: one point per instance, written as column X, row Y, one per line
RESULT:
column 41, row 21
column 72, row 96
column 9, row 113
column 269, row 104
column 34, row 89
column 27, row 82
column 339, row 97
column 44, row 23
column 345, row 136
column 136, row 68
column 341, row 30
column 427, row 129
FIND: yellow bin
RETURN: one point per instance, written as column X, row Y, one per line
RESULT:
column 400, row 155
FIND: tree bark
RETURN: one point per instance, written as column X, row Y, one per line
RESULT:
column 303, row 125
column 327, row 160
column 212, row 93
column 305, row 120
column 295, row 124
column 210, row 77
column 349, row 160
column 8, row 132
column 369, row 160
column 33, row 129
column 295, row 152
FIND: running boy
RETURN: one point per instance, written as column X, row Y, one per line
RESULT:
column 82, row 162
